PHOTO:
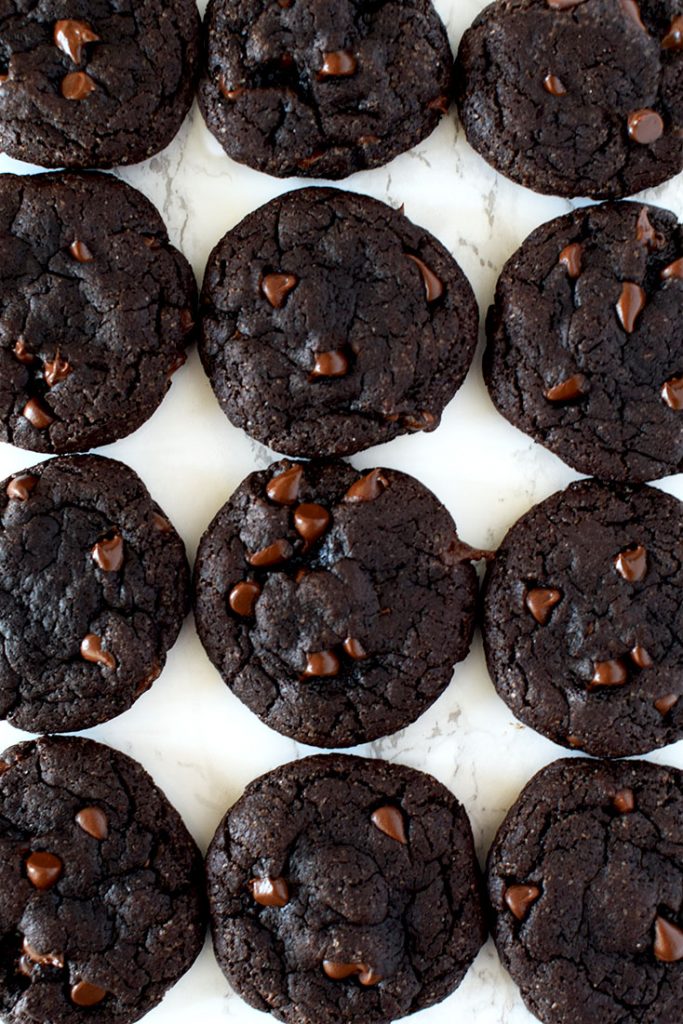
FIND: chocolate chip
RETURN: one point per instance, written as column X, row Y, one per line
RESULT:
column 284, row 488
column 571, row 257
column 108, row 553
column 632, row 564
column 161, row 524
column 672, row 393
column 519, row 898
column 55, row 370
column 666, row 703
column 22, row 353
column 91, row 650
column 94, row 821
column 227, row 91
column 338, row 64
column 540, row 601
column 419, row 421
column 440, row 104
column 624, row 801
column 71, row 36
column 243, row 598
column 645, row 126
column 645, row 232
column 311, row 521
column 77, row 85
column 339, row 971
column 673, row 272
column 355, row 649
column 673, row 40
column 274, row 554
column 37, row 415
column 270, row 892
column 330, row 364
column 84, row 993
column 81, row 252
column 554, row 85
column 432, row 284
column 276, row 288
column 145, row 683
column 389, row 819
column 568, row 390
column 321, row 664
column 632, row 11
column 20, row 487
column 631, row 303
column 668, row 941
column 640, row 657
column 608, row 673
column 368, row 488
column 43, row 869
column 44, row 959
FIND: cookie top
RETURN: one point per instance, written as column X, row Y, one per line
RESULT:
column 96, row 309
column 93, row 590
column 318, row 90
column 354, row 887
column 334, row 602
column 585, row 879
column 330, row 323
column 101, row 886
column 576, row 97
column 95, row 83
column 583, row 618
column 585, row 339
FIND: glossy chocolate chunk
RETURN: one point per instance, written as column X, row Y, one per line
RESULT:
column 520, row 899
column 390, row 820
column 71, row 36
column 270, row 892
column 540, row 601
column 43, row 869
column 108, row 553
column 94, row 821
column 243, row 597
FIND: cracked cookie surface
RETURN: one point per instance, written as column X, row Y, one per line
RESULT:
column 584, row 880
column 344, row 889
column 331, row 323
column 576, row 97
column 322, row 90
column 583, row 618
column 96, row 83
column 94, row 586
column 96, row 310
column 101, row 886
column 585, row 339
column 334, row 602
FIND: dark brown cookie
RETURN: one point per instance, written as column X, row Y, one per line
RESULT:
column 583, row 618
column 576, row 97
column 101, row 887
column 585, row 879
column 320, row 89
column 330, row 323
column 93, row 591
column 334, row 602
column 585, row 340
column 343, row 889
column 96, row 83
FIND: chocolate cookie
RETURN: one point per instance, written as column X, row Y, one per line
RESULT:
column 101, row 886
column 585, row 879
column 96, row 309
column 583, row 618
column 343, row 889
column 585, row 340
column 576, row 97
column 108, row 84
column 334, row 602
column 330, row 323
column 321, row 90
column 93, row 590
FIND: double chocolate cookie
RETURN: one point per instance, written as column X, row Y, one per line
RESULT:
column 585, row 880
column 330, row 323
column 96, row 309
column 585, row 340
column 343, row 889
column 95, row 83
column 93, row 590
column 334, row 602
column 576, row 97
column 101, row 886
column 583, row 618
column 322, row 90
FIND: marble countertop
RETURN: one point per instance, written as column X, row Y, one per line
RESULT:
column 200, row 744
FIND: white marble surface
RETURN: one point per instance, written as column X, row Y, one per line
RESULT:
column 201, row 745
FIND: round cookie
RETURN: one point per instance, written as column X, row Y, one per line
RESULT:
column 101, row 886
column 334, row 602
column 94, row 586
column 95, row 83
column 330, row 323
column 321, row 90
column 585, row 340
column 96, row 309
column 583, row 618
column 576, row 97
column 585, row 879
column 343, row 889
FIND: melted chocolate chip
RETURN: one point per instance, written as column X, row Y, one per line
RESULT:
column 673, row 40
column 624, row 801
column 94, row 821
column 330, row 364
column 37, row 415
column 108, row 553
column 354, row 649
column 20, row 487
column 571, row 257
column 274, row 554
column 84, row 993
column 519, row 898
column 631, row 304
column 608, row 673
column 645, row 126
column 672, row 393
column 632, row 564
column 321, row 664
column 311, row 521
column 43, row 869
column 645, row 232
column 77, row 85
column 340, row 971
column 440, row 103
column 161, row 524
column 22, row 353
column 81, row 252
column 668, row 945
column 567, row 390
column 674, row 271
column 284, row 488
column 270, row 892
column 665, row 704
column 433, row 285
column 540, row 601
column 640, row 657
column 71, row 36
column 390, row 820
column 338, row 64
column 43, row 959
column 368, row 488
column 243, row 598
column 91, row 650
column 276, row 288
column 55, row 370
column 554, row 85
column 230, row 93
